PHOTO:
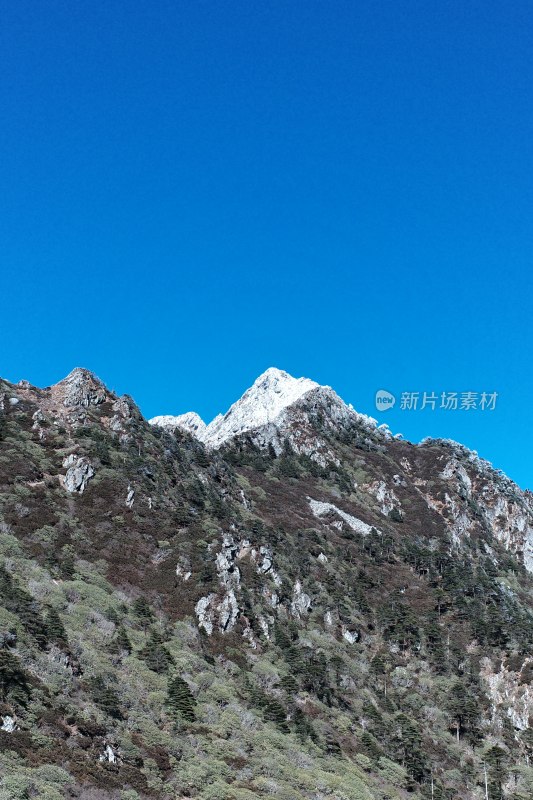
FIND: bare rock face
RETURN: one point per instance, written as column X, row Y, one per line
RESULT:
column 8, row 724
column 213, row 612
column 301, row 602
column 108, row 755
column 204, row 612
column 130, row 497
column 474, row 494
column 79, row 473
column 81, row 388
column 509, row 693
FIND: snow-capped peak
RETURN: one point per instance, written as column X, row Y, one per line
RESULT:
column 272, row 392
column 190, row 421
column 267, row 403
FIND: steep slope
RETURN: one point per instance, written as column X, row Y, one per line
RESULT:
column 306, row 607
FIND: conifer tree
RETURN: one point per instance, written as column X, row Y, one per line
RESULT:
column 142, row 611
column 105, row 697
column 55, row 628
column 122, row 640
column 180, row 700
column 13, row 680
column 155, row 654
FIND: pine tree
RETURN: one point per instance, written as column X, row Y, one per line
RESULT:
column 302, row 726
column 55, row 628
column 122, row 640
column 155, row 654
column 464, row 710
column 289, row 684
column 112, row 615
column 180, row 700
column 67, row 563
column 370, row 746
column 142, row 611
column 201, row 458
column 496, row 758
column 105, row 697
column 271, row 452
column 13, row 680
column 274, row 712
column 411, row 746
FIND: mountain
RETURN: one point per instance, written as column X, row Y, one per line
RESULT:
column 267, row 411
column 288, row 601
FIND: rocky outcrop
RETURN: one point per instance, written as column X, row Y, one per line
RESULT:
column 79, row 472
column 81, row 388
column 301, row 602
column 130, row 497
column 385, row 496
column 108, row 755
column 8, row 724
column 211, row 612
column 509, row 694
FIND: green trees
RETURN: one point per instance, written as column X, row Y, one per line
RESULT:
column 464, row 711
column 303, row 726
column 21, row 603
column 122, row 640
column 143, row 612
column 399, row 623
column 496, row 759
column 410, row 745
column 316, row 679
column 105, row 697
column 67, row 563
column 55, row 628
column 273, row 711
column 370, row 746
column 380, row 668
column 155, row 654
column 435, row 646
column 180, row 700
column 13, row 681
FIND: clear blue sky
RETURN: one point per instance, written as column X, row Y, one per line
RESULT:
column 191, row 192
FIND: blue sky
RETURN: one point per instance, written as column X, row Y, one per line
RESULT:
column 192, row 192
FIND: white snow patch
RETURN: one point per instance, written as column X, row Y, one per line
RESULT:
column 190, row 421
column 320, row 509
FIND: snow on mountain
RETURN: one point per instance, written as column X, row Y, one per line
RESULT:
column 261, row 404
column 190, row 421
column 268, row 405
column 272, row 392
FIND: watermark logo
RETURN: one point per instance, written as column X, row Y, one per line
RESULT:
column 448, row 401
column 384, row 400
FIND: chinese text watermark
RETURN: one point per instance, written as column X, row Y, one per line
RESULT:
column 448, row 401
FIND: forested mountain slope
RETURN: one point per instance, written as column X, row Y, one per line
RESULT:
column 287, row 602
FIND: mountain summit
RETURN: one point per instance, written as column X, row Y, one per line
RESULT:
column 267, row 407
column 261, row 404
